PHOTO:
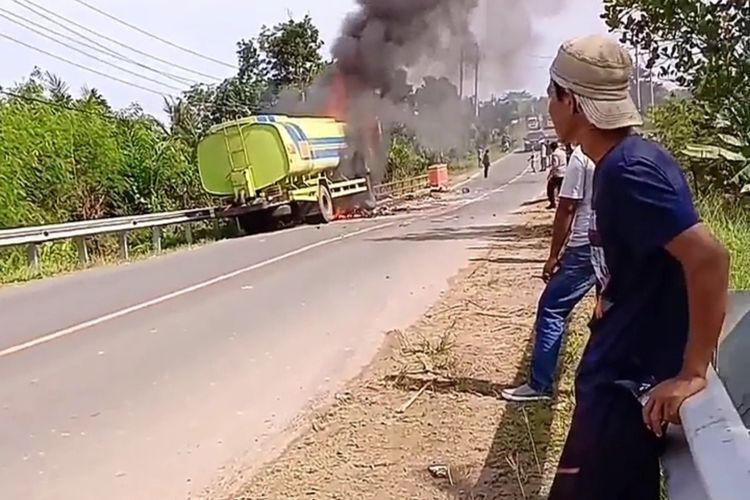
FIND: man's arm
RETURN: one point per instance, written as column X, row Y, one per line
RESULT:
column 705, row 262
column 566, row 211
column 571, row 194
column 706, row 266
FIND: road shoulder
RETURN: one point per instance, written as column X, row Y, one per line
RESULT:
column 424, row 420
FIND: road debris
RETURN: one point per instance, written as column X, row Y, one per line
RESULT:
column 414, row 398
column 441, row 472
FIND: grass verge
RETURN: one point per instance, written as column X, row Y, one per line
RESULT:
column 730, row 221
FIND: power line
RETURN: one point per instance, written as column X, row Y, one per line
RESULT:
column 96, row 58
column 102, row 36
column 155, row 37
column 81, row 66
column 104, row 50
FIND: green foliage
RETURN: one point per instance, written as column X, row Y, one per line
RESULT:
column 701, row 45
column 66, row 158
column 720, row 154
column 404, row 158
column 679, row 122
column 291, row 53
column 730, row 222
column 286, row 55
column 680, row 125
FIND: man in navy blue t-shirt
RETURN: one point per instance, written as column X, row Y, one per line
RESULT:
column 662, row 284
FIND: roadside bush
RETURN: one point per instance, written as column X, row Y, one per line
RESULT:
column 730, row 221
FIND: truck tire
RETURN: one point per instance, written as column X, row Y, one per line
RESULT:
column 323, row 213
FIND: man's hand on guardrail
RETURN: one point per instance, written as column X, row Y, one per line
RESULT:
column 665, row 400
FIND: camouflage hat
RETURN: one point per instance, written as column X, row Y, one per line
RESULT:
column 597, row 70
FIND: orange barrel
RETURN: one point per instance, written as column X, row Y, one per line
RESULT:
column 438, row 175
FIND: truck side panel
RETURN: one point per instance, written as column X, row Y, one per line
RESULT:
column 226, row 157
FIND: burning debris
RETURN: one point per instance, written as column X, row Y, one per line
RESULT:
column 354, row 213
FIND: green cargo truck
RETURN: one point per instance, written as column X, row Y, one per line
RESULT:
column 270, row 166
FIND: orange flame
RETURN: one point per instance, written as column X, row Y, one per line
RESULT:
column 336, row 107
column 351, row 213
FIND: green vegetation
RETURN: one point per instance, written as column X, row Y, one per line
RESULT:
column 730, row 220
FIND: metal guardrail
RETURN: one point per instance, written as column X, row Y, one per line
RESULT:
column 397, row 189
column 32, row 237
column 708, row 458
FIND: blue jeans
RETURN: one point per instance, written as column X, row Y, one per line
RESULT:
column 568, row 286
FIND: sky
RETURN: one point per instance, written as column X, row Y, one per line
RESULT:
column 212, row 28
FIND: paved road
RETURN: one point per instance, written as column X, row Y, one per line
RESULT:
column 151, row 380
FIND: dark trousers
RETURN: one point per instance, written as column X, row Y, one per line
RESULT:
column 486, row 171
column 609, row 453
column 553, row 187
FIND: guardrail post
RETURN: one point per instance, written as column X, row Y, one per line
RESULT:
column 189, row 233
column 83, row 252
column 122, row 240
column 156, row 238
column 33, row 252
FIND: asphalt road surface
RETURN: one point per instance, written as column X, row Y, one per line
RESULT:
column 157, row 379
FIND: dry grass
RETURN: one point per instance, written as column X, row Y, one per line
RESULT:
column 425, row 421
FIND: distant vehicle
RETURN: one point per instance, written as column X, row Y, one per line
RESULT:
column 532, row 141
column 532, row 123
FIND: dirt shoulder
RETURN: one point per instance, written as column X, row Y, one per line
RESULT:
column 425, row 420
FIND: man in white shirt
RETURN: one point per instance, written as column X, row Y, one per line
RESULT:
column 569, row 275
column 558, row 163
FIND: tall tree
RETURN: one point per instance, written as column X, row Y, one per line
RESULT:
column 284, row 56
column 291, row 53
column 701, row 45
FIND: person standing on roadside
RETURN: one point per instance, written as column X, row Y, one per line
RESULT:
column 558, row 162
column 532, row 162
column 569, row 275
column 486, row 162
column 662, row 282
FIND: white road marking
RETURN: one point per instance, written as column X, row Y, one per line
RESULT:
column 489, row 193
column 199, row 286
column 173, row 295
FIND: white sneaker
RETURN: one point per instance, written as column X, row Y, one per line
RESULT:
column 524, row 394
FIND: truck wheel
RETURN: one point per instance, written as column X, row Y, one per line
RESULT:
column 323, row 214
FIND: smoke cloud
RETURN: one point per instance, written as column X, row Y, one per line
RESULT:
column 387, row 47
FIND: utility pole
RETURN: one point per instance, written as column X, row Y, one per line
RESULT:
column 651, row 86
column 476, row 83
column 638, row 77
column 461, row 73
